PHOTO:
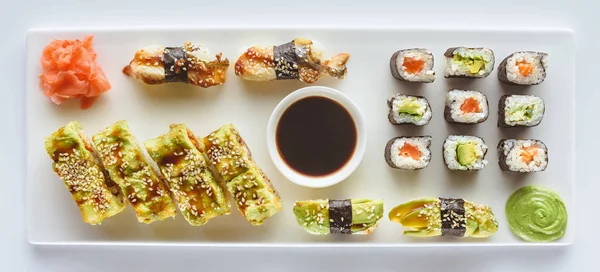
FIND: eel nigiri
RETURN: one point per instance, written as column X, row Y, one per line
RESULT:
column 298, row 59
column 427, row 217
column 190, row 63
column 348, row 216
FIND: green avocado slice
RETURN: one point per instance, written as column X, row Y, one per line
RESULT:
column 466, row 153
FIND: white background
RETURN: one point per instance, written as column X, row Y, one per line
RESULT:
column 17, row 16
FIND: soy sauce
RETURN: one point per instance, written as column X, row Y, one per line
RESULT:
column 316, row 136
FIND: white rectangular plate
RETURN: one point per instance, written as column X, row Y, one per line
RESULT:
column 53, row 217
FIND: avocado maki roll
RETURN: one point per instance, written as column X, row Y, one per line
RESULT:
column 408, row 153
column 409, row 109
column 466, row 107
column 348, row 216
column 231, row 160
column 198, row 194
column 76, row 162
column 413, row 65
column 126, row 165
column 464, row 152
column 520, row 111
column 469, row 62
column 524, row 156
column 523, row 68
column 428, row 217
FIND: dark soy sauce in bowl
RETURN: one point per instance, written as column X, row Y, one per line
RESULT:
column 316, row 136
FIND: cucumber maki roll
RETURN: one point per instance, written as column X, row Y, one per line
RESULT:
column 520, row 111
column 469, row 62
column 522, row 155
column 428, row 217
column 523, row 68
column 464, row 152
column 409, row 109
column 413, row 65
column 348, row 216
column 466, row 107
column 408, row 153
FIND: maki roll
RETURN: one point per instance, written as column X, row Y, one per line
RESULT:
column 230, row 159
column 409, row 109
column 76, row 162
column 523, row 68
column 413, row 65
column 408, row 153
column 428, row 217
column 126, row 165
column 199, row 196
column 464, row 152
column 469, row 62
column 467, row 107
column 348, row 216
column 189, row 63
column 522, row 155
column 299, row 59
column 520, row 110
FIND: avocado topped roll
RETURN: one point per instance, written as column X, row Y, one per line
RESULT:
column 230, row 158
column 469, row 62
column 348, row 216
column 198, row 194
column 428, row 217
column 77, row 164
column 126, row 165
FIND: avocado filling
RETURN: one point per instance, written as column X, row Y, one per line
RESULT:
column 475, row 63
column 522, row 113
column 411, row 107
column 466, row 153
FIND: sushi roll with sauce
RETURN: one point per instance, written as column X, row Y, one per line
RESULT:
column 413, row 65
column 469, row 62
column 409, row 109
column 408, row 153
column 347, row 216
column 522, row 155
column 467, row 107
column 464, row 152
column 523, row 68
column 520, row 111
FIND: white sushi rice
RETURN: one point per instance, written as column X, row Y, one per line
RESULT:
column 408, row 163
column 515, row 102
column 459, row 68
column 513, row 150
column 539, row 61
column 403, row 118
column 450, row 156
column 455, row 99
column 427, row 74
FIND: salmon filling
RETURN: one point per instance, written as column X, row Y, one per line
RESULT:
column 525, row 68
column 411, row 151
column 470, row 105
column 528, row 154
column 413, row 65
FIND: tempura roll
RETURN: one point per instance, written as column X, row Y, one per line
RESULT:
column 126, row 165
column 520, row 111
column 254, row 196
column 466, row 107
column 413, row 65
column 347, row 216
column 464, row 153
column 198, row 194
column 409, row 109
column 523, row 68
column 77, row 164
column 408, row 153
column 469, row 62
column 528, row 155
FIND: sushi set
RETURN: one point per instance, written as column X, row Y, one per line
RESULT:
column 341, row 137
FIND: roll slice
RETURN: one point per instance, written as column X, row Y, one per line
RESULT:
column 408, row 153
column 467, row 107
column 520, row 111
column 413, row 65
column 347, row 216
column 524, row 156
column 469, row 62
column 76, row 162
column 199, row 196
column 464, row 152
column 126, row 165
column 409, row 109
column 523, row 68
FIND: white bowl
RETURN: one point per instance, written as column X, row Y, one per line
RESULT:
column 340, row 174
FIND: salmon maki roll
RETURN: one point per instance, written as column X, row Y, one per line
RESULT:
column 408, row 153
column 413, row 65
column 523, row 68
column 466, row 107
column 522, row 155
